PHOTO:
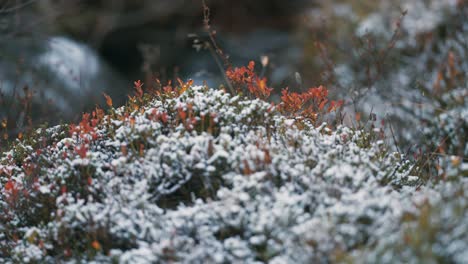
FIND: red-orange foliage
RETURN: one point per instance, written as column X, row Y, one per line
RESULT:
column 292, row 102
column 155, row 115
column 108, row 100
column 86, row 129
column 246, row 77
column 168, row 89
column 138, row 85
column 184, row 86
column 13, row 190
column 10, row 186
column 308, row 104
column 81, row 150
column 187, row 117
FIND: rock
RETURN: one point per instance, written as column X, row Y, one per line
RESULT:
column 52, row 79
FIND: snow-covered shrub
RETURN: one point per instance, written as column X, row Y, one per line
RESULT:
column 432, row 228
column 425, row 80
column 405, row 62
column 201, row 176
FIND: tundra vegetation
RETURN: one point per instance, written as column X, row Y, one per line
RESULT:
column 184, row 172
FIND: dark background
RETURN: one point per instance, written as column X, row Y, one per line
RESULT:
column 138, row 39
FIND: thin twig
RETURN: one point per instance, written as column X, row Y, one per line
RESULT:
column 394, row 138
column 214, row 48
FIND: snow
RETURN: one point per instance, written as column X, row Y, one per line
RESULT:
column 259, row 188
column 320, row 189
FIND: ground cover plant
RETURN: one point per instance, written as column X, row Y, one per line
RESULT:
column 192, row 173
column 184, row 172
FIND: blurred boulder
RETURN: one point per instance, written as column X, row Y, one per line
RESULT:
column 151, row 37
column 51, row 79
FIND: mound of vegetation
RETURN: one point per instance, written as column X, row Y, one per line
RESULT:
column 191, row 173
column 186, row 173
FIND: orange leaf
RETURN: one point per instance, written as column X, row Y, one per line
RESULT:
column 184, row 86
column 108, row 99
column 322, row 104
column 182, row 113
column 335, row 105
column 181, row 83
column 96, row 245
column 9, row 186
column 358, row 116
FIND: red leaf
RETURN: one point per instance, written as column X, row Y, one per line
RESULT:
column 322, row 104
column 138, row 87
column 9, row 186
column 81, row 150
column 164, row 117
column 182, row 114
column 251, row 65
